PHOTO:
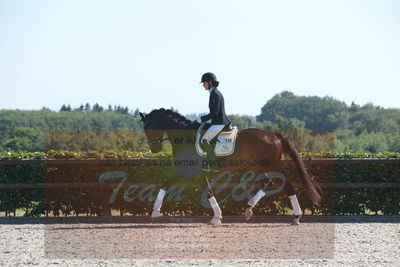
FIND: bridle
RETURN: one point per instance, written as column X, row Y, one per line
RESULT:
column 158, row 140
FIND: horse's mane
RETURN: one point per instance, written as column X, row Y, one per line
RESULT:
column 173, row 119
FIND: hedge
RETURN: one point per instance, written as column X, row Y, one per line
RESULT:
column 145, row 173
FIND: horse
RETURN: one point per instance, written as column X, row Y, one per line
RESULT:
column 252, row 145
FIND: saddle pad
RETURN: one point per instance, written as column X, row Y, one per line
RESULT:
column 225, row 143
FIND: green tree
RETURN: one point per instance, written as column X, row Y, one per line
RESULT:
column 317, row 113
column 65, row 108
column 98, row 108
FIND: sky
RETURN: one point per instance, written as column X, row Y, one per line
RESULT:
column 151, row 54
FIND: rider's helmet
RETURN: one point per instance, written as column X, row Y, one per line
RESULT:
column 210, row 78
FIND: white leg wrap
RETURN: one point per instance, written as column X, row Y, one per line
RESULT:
column 159, row 200
column 295, row 205
column 215, row 207
column 254, row 200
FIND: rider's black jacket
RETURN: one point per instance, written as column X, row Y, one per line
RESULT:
column 217, row 109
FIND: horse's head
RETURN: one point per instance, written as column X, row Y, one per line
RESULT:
column 154, row 132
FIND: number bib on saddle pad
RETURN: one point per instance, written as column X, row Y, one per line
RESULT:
column 225, row 142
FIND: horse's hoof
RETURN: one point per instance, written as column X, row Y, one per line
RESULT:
column 296, row 221
column 248, row 213
column 156, row 214
column 215, row 221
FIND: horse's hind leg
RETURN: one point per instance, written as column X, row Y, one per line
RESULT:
column 216, row 220
column 265, row 183
column 289, row 190
column 252, row 202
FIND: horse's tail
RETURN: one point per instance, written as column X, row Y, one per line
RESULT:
column 312, row 187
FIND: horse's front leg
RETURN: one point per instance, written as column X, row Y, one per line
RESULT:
column 216, row 220
column 157, row 205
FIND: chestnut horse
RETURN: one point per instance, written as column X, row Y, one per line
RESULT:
column 252, row 145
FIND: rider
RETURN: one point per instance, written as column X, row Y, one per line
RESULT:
column 217, row 115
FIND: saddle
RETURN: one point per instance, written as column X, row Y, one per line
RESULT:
column 224, row 142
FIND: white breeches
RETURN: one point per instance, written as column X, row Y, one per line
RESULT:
column 212, row 132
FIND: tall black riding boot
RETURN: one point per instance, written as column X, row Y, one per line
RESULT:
column 211, row 157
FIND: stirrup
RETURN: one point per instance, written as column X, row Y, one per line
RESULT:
column 210, row 170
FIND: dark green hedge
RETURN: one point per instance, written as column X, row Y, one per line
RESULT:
column 147, row 172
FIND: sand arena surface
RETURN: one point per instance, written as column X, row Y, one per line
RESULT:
column 318, row 241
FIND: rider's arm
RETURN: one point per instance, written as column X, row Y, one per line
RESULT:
column 214, row 106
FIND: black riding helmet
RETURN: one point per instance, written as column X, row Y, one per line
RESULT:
column 209, row 77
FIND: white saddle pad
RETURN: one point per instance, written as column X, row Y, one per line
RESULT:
column 225, row 142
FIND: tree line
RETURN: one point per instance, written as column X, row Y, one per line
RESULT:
column 97, row 108
column 315, row 124
column 356, row 128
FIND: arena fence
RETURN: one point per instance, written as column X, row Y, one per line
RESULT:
column 98, row 187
